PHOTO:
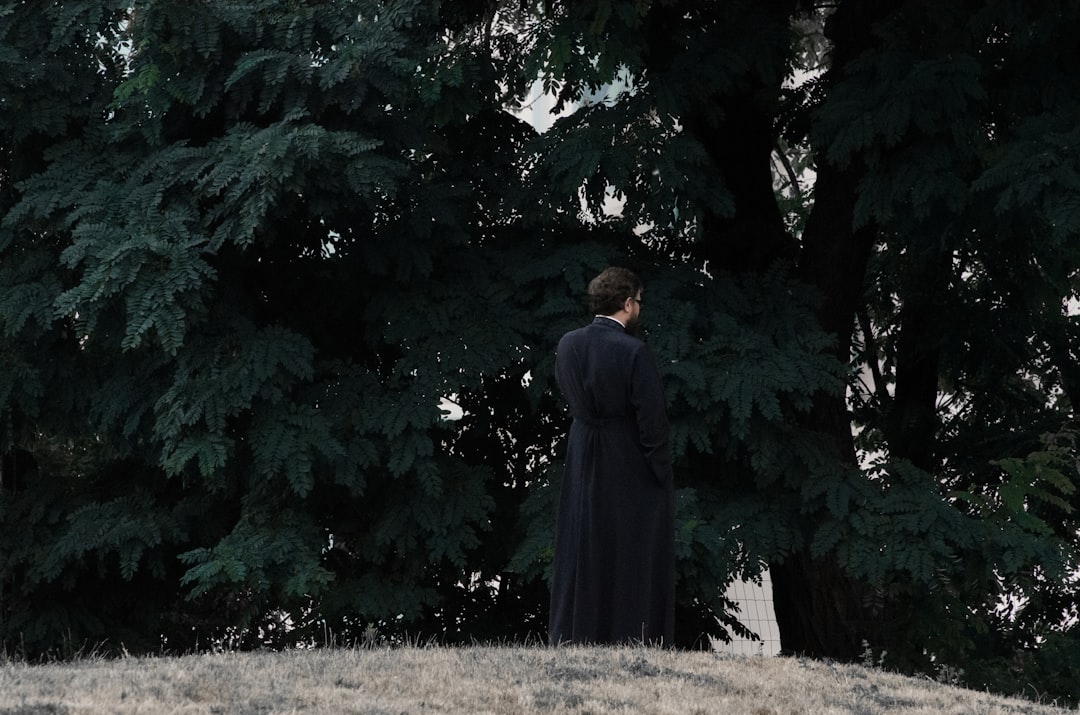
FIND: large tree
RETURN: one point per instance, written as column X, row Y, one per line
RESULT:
column 939, row 243
column 249, row 247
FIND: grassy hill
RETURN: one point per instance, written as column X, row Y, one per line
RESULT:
column 501, row 680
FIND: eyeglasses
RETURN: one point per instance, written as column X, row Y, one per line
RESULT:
column 638, row 301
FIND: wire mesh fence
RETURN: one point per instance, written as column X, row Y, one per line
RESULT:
column 756, row 613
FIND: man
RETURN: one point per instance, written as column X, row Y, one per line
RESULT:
column 613, row 577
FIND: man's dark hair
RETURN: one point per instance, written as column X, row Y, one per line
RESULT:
column 609, row 290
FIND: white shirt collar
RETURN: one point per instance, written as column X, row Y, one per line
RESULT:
column 616, row 320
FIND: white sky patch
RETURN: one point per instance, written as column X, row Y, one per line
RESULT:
column 452, row 411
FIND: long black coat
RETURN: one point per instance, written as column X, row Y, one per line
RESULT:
column 613, row 578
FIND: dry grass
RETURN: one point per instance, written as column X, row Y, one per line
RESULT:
column 501, row 680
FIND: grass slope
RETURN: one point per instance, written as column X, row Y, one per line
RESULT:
column 500, row 680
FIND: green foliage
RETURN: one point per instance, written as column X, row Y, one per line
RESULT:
column 1041, row 480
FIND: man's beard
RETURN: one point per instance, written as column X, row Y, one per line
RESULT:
column 633, row 326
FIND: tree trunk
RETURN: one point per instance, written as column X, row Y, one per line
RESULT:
column 820, row 609
column 737, row 131
column 911, row 424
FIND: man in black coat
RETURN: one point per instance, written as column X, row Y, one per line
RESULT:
column 613, row 577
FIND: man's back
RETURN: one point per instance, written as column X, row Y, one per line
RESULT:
column 606, row 374
column 594, row 367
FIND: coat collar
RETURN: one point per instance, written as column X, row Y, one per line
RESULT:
column 608, row 322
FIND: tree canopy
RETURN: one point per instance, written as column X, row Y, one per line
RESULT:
column 250, row 250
